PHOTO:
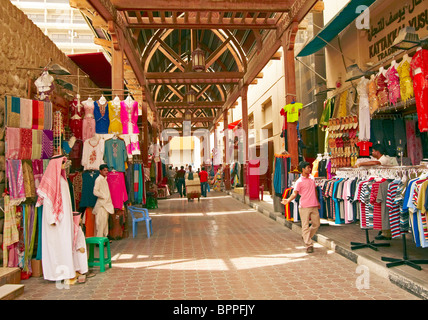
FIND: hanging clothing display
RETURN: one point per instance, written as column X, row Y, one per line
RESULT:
column 406, row 82
column 76, row 119
column 101, row 115
column 115, row 154
column 364, row 109
column 129, row 116
column 419, row 74
column 393, row 83
column 373, row 98
column 93, row 153
column 88, row 129
column 115, row 125
column 292, row 110
column 26, row 111
column 382, row 88
column 116, row 183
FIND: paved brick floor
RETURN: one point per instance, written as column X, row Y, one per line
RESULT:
column 220, row 249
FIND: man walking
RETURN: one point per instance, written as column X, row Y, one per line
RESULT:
column 203, row 178
column 181, row 183
column 308, row 204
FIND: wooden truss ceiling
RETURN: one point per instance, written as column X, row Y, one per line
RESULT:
column 238, row 38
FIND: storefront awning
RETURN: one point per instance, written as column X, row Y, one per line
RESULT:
column 234, row 124
column 96, row 66
column 344, row 18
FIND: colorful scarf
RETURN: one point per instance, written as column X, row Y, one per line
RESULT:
column 47, row 124
column 13, row 143
column 136, row 182
column 37, row 172
column 47, row 144
column 26, row 138
column 10, row 230
column 13, row 112
column 26, row 119
column 29, row 184
column 36, row 150
column 16, row 182
column 50, row 187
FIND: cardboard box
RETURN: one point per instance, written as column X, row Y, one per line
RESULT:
column 36, row 266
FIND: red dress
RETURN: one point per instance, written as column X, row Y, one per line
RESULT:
column 76, row 120
column 420, row 86
column 382, row 90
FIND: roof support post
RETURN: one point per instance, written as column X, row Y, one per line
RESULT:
column 117, row 71
column 145, row 130
column 288, row 40
column 226, row 166
column 244, row 106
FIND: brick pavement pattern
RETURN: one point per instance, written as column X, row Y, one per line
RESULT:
column 220, row 249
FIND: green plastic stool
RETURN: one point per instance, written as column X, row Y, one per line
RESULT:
column 151, row 203
column 103, row 244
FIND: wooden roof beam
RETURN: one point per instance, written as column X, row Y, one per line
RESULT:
column 204, row 23
column 206, row 5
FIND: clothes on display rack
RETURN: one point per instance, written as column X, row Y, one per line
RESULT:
column 116, row 183
column 88, row 130
column 115, row 154
column 93, row 153
column 115, row 125
column 101, row 115
column 129, row 116
column 76, row 119
column 419, row 74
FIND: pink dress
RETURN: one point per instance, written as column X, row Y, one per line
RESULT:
column 393, row 81
column 88, row 130
column 116, row 183
column 129, row 117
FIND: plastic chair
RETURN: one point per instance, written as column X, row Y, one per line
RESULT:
column 145, row 217
column 103, row 243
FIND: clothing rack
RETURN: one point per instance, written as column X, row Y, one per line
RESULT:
column 392, row 262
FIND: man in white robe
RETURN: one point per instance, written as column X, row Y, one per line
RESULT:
column 104, row 205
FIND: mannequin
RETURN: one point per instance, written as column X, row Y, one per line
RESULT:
column 57, row 225
column 44, row 82
column 102, row 100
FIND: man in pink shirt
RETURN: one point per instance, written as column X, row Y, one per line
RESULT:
column 308, row 204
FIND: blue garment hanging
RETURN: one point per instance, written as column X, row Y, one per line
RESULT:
column 39, row 241
column 277, row 179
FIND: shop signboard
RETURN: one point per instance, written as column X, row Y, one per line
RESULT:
column 387, row 18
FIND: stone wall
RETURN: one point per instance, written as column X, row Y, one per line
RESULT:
column 23, row 44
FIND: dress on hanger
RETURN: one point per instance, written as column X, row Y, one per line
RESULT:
column 76, row 119
column 406, row 83
column 129, row 117
column 101, row 114
column 373, row 99
column 393, row 82
column 88, row 120
column 364, row 109
column 419, row 74
column 93, row 153
column 115, row 154
column 114, row 115
column 382, row 90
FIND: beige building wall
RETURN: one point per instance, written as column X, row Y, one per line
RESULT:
column 23, row 44
column 265, row 100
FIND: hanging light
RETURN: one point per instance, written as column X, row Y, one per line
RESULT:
column 407, row 39
column 187, row 116
column 191, row 97
column 353, row 72
column 198, row 59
